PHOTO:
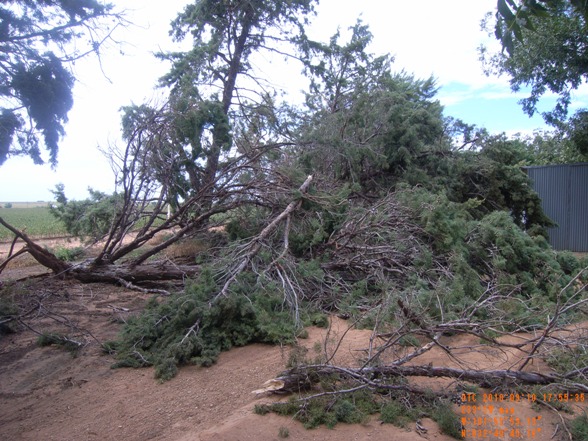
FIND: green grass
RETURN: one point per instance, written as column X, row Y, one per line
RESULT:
column 579, row 428
column 35, row 219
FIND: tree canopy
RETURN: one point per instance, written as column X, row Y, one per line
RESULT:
column 545, row 48
column 512, row 16
column 215, row 91
column 36, row 45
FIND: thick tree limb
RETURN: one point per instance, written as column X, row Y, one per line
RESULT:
column 149, row 272
column 89, row 272
column 303, row 377
column 41, row 255
column 255, row 244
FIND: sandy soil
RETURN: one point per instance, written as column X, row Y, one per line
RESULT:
column 46, row 394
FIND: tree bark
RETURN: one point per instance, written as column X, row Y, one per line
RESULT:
column 303, row 377
column 256, row 243
column 41, row 255
column 148, row 272
column 90, row 272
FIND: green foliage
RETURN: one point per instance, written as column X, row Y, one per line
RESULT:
column 261, row 409
column 297, row 356
column 245, row 223
column 564, row 146
column 409, row 340
column 550, row 34
column 477, row 250
column 374, row 131
column 577, row 129
column 579, row 428
column 36, row 85
column 393, row 412
column 8, row 310
column 215, row 26
column 62, row 341
column 193, row 327
column 352, row 408
column 356, row 407
column 447, row 419
column 567, row 359
column 366, row 124
column 202, row 118
column 319, row 320
column 493, row 178
column 8, row 205
column 68, row 254
column 91, row 218
column 283, row 432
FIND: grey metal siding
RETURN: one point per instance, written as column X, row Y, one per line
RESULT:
column 564, row 194
column 579, row 208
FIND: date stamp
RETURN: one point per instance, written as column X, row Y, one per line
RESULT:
column 486, row 416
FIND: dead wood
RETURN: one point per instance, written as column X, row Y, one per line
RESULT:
column 255, row 245
column 147, row 272
column 41, row 255
column 303, row 377
column 94, row 272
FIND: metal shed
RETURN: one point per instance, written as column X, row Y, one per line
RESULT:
column 563, row 190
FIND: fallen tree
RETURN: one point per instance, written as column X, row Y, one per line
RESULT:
column 301, row 378
column 398, row 233
column 103, row 268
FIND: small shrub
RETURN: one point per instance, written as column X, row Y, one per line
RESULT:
column 347, row 412
column 302, row 333
column 579, row 428
column 69, row 254
column 297, row 356
column 319, row 320
column 448, row 420
column 261, row 409
column 8, row 310
column 395, row 413
column 8, row 205
column 62, row 341
column 283, row 432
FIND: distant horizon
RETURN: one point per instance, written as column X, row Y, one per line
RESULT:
column 128, row 75
column 22, row 202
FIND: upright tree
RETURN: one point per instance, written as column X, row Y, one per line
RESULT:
column 365, row 123
column 217, row 73
column 36, row 45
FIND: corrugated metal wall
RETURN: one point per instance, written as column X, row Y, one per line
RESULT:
column 564, row 193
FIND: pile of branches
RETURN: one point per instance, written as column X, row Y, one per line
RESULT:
column 377, row 242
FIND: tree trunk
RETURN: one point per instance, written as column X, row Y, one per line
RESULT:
column 41, row 255
column 302, row 377
column 148, row 272
column 90, row 272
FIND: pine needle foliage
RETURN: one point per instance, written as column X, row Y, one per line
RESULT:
column 59, row 340
column 356, row 407
column 193, row 328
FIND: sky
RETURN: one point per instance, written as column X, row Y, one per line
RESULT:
column 426, row 37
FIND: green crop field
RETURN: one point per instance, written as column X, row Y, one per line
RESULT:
column 32, row 217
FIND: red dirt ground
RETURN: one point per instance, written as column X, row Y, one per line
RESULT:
column 46, row 394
